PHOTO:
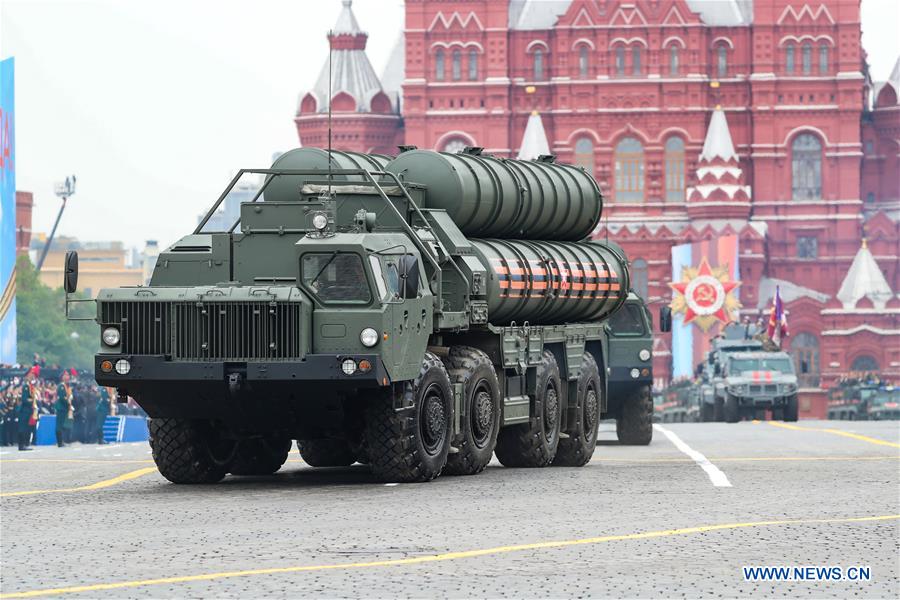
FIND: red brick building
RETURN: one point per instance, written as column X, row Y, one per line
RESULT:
column 801, row 162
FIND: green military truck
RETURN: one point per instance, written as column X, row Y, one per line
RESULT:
column 711, row 371
column 863, row 398
column 680, row 402
column 753, row 382
column 418, row 314
column 630, row 369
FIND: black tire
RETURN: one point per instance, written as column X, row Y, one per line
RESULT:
column 791, row 410
column 718, row 410
column 732, row 409
column 410, row 443
column 260, row 456
column 326, row 453
column 577, row 449
column 634, row 427
column 190, row 451
column 534, row 444
column 480, row 421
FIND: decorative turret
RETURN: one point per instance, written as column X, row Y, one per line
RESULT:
column 354, row 93
column 864, row 279
column 534, row 140
column 720, row 192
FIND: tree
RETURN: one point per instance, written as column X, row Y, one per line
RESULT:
column 43, row 327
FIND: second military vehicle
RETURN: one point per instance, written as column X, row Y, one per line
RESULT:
column 758, row 381
column 710, row 372
column 417, row 314
column 863, row 398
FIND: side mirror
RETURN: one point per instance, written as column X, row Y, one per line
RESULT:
column 409, row 276
column 665, row 319
column 70, row 275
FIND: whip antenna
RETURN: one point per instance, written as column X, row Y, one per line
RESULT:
column 330, row 72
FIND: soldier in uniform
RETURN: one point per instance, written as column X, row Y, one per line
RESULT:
column 64, row 410
column 104, row 406
column 27, row 408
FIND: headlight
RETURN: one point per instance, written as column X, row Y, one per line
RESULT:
column 644, row 354
column 348, row 366
column 111, row 336
column 123, row 367
column 320, row 221
column 635, row 373
column 368, row 337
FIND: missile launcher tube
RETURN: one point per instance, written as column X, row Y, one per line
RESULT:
column 552, row 282
column 504, row 198
column 285, row 188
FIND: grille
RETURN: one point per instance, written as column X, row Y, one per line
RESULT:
column 209, row 331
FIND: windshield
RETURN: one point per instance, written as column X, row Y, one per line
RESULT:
column 887, row 396
column 627, row 321
column 781, row 364
column 336, row 277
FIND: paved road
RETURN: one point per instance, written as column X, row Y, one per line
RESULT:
column 637, row 521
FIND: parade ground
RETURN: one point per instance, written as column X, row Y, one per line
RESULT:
column 683, row 516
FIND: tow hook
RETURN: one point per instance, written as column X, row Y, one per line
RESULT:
column 234, row 384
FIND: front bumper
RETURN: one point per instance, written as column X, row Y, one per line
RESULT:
column 314, row 368
column 764, row 401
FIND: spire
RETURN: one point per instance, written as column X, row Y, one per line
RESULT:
column 346, row 23
column 346, row 34
column 864, row 280
column 718, row 139
column 534, row 140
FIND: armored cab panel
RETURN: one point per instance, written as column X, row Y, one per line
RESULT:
column 495, row 197
column 552, row 282
column 198, row 259
column 286, row 188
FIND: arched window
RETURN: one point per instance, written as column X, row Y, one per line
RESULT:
column 823, row 58
column 870, row 198
column 456, row 68
column 538, row 64
column 584, row 154
column 807, row 58
column 454, row 145
column 639, row 279
column 674, row 169
column 473, row 64
column 583, row 61
column 439, row 65
column 805, row 350
column 620, row 60
column 806, row 167
column 673, row 60
column 635, row 60
column 789, row 59
column 865, row 364
column 721, row 61
column 629, row 170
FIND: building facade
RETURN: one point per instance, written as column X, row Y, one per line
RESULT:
column 699, row 118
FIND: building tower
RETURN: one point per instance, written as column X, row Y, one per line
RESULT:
column 364, row 119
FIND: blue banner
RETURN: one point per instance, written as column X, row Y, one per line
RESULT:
column 7, row 214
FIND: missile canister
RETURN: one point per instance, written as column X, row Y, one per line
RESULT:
column 552, row 282
column 285, row 188
column 494, row 197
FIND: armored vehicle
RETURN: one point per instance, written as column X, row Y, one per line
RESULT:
column 418, row 314
column 710, row 373
column 863, row 398
column 630, row 369
column 756, row 381
column 680, row 402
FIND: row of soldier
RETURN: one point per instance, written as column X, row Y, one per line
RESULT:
column 79, row 416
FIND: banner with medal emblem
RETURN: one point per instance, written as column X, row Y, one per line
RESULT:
column 705, row 298
column 7, row 215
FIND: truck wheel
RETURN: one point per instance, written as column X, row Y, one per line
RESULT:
column 791, row 410
column 577, row 449
column 718, row 410
column 732, row 410
column 326, row 453
column 411, row 443
column 634, row 426
column 189, row 451
column 705, row 412
column 481, row 412
column 260, row 456
column 534, row 444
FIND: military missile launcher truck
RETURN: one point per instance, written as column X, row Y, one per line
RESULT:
column 418, row 314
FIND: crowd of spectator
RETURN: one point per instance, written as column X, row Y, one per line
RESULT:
column 55, row 390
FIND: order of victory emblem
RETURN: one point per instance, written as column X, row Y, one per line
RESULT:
column 705, row 295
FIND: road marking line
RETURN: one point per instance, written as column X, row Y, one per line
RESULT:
column 447, row 556
column 87, row 488
column 96, row 461
column 856, row 436
column 717, row 477
column 746, row 459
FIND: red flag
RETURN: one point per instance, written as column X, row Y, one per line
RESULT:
column 778, row 327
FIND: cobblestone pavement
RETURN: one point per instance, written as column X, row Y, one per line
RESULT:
column 636, row 521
